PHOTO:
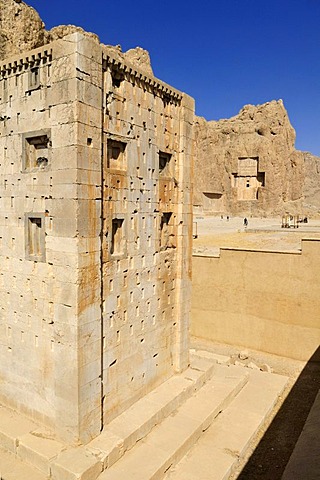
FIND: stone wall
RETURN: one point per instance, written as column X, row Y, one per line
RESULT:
column 147, row 219
column 39, row 260
column 95, row 233
column 267, row 301
column 248, row 165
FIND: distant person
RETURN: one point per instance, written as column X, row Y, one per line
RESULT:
column 245, row 222
column 221, row 217
column 227, row 218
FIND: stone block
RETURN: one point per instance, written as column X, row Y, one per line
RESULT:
column 76, row 464
column 38, row 450
column 12, row 427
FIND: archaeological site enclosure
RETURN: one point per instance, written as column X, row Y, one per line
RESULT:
column 95, row 233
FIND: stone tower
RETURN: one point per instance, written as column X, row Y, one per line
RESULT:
column 95, row 234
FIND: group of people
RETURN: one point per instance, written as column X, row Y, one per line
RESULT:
column 245, row 220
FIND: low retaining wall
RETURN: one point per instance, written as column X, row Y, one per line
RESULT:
column 268, row 301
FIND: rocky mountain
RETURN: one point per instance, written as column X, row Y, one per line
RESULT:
column 248, row 164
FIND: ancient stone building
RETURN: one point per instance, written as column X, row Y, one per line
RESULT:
column 95, row 199
column 248, row 165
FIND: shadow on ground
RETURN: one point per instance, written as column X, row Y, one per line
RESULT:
column 272, row 454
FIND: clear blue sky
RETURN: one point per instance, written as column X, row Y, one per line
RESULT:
column 225, row 53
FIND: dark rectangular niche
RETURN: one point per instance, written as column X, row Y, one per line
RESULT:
column 117, row 237
column 261, row 177
column 35, row 237
column 164, row 160
column 34, row 78
column 36, row 150
column 166, row 231
column 116, row 155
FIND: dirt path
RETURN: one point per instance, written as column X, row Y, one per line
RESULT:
column 262, row 234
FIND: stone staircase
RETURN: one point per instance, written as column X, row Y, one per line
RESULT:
column 217, row 453
column 161, row 436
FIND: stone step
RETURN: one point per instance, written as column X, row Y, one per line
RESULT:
column 223, row 445
column 215, row 357
column 11, row 468
column 36, row 447
column 27, row 441
column 168, row 442
column 132, row 425
column 12, row 427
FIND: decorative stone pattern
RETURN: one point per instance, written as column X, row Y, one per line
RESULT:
column 95, row 234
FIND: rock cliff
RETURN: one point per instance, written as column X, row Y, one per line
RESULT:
column 311, row 188
column 248, row 165
column 21, row 28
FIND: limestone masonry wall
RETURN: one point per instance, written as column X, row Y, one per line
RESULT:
column 267, row 301
column 95, row 235
column 39, row 244
column 147, row 214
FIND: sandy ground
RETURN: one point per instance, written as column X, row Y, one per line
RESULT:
column 214, row 233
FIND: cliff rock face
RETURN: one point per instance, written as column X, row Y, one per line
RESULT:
column 21, row 29
column 248, row 165
column 311, row 187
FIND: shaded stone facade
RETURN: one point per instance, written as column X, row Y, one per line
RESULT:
column 95, row 235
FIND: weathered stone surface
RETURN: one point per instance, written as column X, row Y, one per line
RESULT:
column 139, row 57
column 244, row 354
column 248, row 164
column 312, row 183
column 90, row 327
column 21, row 28
column 62, row 30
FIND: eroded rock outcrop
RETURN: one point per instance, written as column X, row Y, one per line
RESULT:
column 21, row 29
column 248, row 164
column 140, row 57
column 63, row 30
column 311, row 189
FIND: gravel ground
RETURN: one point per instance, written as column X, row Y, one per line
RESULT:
column 214, row 233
